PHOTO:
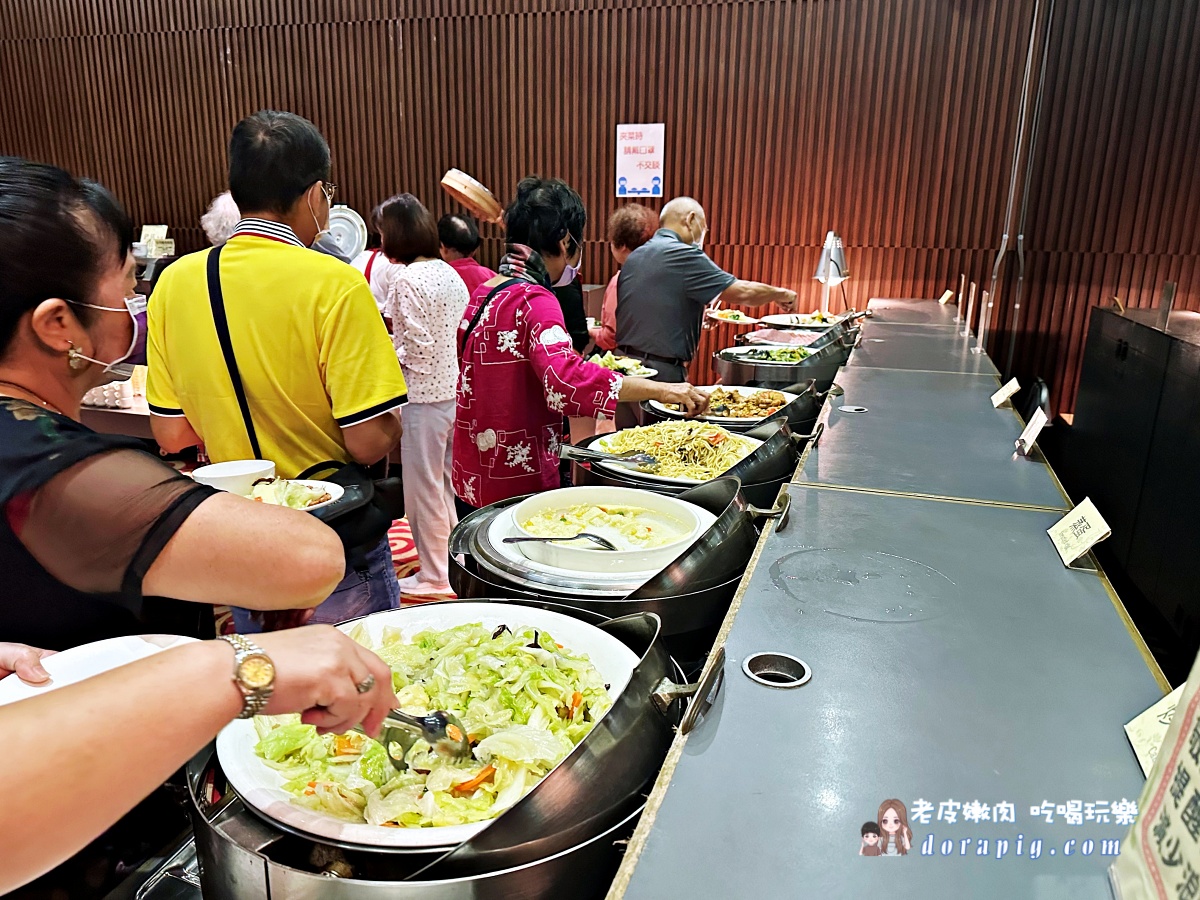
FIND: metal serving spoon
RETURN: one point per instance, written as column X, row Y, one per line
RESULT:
column 441, row 730
column 594, row 538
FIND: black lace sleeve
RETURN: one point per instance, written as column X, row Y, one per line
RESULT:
column 99, row 525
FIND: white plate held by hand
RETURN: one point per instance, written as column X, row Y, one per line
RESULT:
column 87, row 660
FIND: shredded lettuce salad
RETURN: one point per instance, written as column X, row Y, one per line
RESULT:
column 525, row 700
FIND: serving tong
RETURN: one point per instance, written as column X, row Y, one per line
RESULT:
column 634, row 459
column 441, row 730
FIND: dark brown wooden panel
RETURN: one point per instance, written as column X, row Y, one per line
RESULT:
column 893, row 122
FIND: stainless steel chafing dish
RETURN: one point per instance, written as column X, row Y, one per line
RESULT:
column 799, row 413
column 761, row 474
column 690, row 594
column 561, row 839
column 821, row 365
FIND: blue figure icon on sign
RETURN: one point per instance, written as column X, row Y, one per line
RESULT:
column 622, row 186
column 656, row 186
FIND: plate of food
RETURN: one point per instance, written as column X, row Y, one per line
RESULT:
column 624, row 364
column 296, row 493
column 527, row 684
column 816, row 319
column 688, row 451
column 767, row 354
column 734, row 405
column 735, row 316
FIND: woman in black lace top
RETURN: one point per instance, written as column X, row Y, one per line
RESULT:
column 95, row 532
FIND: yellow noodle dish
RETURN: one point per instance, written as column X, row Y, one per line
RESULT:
column 627, row 527
column 691, row 451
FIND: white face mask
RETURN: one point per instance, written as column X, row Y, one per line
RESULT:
column 570, row 272
column 699, row 242
column 123, row 365
column 321, row 232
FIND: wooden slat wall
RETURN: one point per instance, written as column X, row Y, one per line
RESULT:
column 893, row 122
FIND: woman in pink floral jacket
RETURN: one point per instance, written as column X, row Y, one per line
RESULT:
column 518, row 372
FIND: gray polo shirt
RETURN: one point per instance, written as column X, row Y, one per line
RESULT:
column 661, row 294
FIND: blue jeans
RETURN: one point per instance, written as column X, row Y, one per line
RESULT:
column 362, row 591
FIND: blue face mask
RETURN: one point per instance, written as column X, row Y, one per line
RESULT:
column 136, row 354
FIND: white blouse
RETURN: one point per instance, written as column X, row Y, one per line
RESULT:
column 425, row 301
column 380, row 270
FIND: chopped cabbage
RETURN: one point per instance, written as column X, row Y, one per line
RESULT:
column 524, row 700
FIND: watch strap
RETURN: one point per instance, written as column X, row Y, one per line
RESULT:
column 254, row 700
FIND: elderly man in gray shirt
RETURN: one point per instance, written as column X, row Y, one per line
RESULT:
column 666, row 284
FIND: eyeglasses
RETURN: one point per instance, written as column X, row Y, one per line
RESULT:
column 329, row 189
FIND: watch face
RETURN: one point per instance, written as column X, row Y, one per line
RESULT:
column 256, row 672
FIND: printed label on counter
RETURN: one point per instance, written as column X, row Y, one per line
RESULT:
column 1030, row 435
column 1147, row 730
column 1005, row 392
column 1078, row 531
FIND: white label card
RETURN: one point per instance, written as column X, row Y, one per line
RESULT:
column 946, row 297
column 1030, row 435
column 1147, row 730
column 1078, row 531
column 153, row 232
column 1005, row 392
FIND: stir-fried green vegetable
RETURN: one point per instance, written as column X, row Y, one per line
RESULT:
column 525, row 701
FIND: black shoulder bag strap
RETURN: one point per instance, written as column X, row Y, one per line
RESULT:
column 217, row 300
column 462, row 343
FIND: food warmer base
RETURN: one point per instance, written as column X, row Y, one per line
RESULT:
column 300, row 870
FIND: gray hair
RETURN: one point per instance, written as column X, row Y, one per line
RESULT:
column 220, row 220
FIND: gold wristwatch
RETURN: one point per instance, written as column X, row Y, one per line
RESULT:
column 253, row 673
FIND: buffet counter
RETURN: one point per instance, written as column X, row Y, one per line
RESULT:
column 133, row 422
column 957, row 669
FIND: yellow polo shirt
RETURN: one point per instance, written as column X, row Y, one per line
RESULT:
column 311, row 347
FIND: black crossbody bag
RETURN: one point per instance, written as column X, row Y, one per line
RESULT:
column 369, row 505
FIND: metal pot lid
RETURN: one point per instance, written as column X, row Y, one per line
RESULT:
column 348, row 230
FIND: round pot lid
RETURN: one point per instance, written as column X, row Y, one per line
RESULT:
column 348, row 230
column 474, row 196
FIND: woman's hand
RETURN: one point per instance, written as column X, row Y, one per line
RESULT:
column 26, row 661
column 693, row 401
column 318, row 672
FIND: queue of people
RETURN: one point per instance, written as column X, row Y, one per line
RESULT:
column 258, row 347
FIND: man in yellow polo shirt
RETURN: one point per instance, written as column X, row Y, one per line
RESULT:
column 319, row 374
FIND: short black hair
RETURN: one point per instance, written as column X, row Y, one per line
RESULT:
column 407, row 229
column 274, row 157
column 544, row 212
column 870, row 828
column 58, row 235
column 458, row 233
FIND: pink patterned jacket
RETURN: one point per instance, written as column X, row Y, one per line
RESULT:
column 518, row 377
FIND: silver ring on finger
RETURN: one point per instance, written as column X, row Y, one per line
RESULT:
column 366, row 684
